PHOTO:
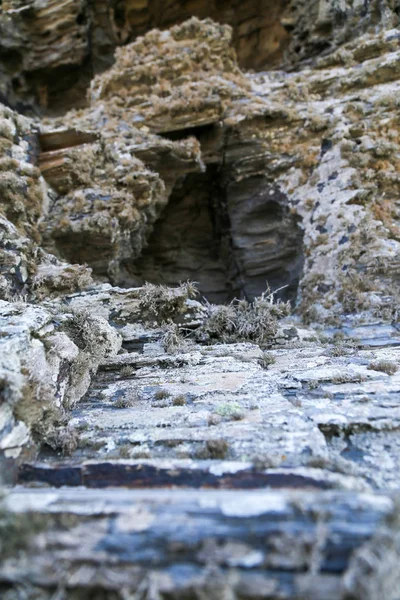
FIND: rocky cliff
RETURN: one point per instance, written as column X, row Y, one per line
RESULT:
column 254, row 149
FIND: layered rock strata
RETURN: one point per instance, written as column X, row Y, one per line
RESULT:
column 25, row 268
column 292, row 175
column 181, row 166
column 49, row 51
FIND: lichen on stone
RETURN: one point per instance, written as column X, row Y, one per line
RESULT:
column 179, row 166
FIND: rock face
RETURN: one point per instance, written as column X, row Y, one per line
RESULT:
column 252, row 453
column 45, row 369
column 50, row 51
column 283, row 153
column 24, row 267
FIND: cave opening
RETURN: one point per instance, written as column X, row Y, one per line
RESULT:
column 191, row 240
column 234, row 238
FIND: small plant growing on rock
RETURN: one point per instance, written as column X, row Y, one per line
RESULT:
column 243, row 321
column 161, row 303
column 126, row 371
column 386, row 366
column 347, row 378
column 267, row 360
column 338, row 349
column 172, row 340
column 125, row 451
column 64, row 440
column 343, row 347
column 126, row 401
column 214, row 419
column 231, row 411
column 162, row 394
column 215, row 449
column 179, row 400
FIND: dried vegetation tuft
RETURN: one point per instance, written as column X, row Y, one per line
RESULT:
column 243, row 321
column 386, row 366
column 160, row 303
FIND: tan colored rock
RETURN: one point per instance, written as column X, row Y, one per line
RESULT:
column 341, row 176
column 292, row 143
column 171, row 80
column 65, row 43
column 22, row 190
column 25, row 269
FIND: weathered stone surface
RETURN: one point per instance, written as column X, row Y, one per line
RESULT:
column 45, row 366
column 25, row 269
column 192, row 77
column 218, row 402
column 221, row 249
column 180, row 166
column 109, row 200
column 212, row 544
column 284, row 152
column 50, row 50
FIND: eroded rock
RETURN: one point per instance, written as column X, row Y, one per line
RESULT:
column 25, row 269
column 289, row 196
column 45, row 367
column 181, row 166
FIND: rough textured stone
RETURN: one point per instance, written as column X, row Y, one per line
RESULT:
column 25, row 269
column 45, row 368
column 181, row 166
column 283, row 152
column 332, row 411
column 51, row 50
column 202, row 544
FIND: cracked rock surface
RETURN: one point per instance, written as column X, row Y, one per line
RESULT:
column 236, row 437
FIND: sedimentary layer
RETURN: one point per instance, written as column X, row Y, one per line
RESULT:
column 274, row 379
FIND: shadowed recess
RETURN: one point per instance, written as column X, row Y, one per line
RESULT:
column 235, row 240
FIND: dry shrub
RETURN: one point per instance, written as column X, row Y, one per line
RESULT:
column 161, row 303
column 386, row 366
column 243, row 321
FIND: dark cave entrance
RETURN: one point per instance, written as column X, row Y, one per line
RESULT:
column 233, row 238
column 191, row 240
